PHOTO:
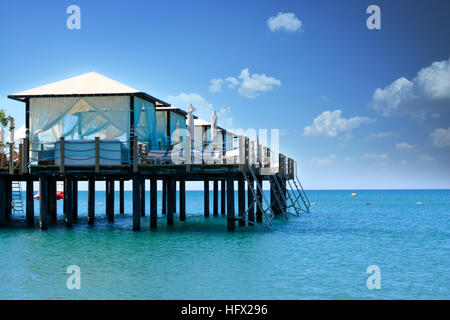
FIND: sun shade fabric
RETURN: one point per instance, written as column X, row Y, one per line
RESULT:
column 145, row 122
column 83, row 117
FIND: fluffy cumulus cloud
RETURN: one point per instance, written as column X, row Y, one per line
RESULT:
column 204, row 108
column 249, row 85
column 284, row 22
column 381, row 135
column 440, row 137
column 404, row 146
column 331, row 123
column 323, row 161
column 427, row 93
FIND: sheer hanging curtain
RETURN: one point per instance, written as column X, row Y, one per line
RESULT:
column 161, row 128
column 145, row 121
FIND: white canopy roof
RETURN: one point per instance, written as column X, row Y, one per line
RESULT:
column 89, row 83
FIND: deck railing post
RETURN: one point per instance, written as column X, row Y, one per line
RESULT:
column 26, row 154
column 97, row 154
column 21, row 159
column 11, row 158
column 61, row 155
column 135, row 157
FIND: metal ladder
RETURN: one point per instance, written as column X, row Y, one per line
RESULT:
column 296, row 194
column 278, row 192
column 16, row 197
column 263, row 203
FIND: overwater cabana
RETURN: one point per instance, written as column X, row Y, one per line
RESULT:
column 92, row 128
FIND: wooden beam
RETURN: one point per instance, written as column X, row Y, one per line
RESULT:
column 216, row 198
column 136, row 204
column 230, row 204
column 122, row 196
column 182, row 200
column 153, row 203
column 250, row 200
column 259, row 195
column 241, row 201
column 30, row 202
column 206, row 197
column 91, row 201
column 43, row 205
column 170, row 201
column 69, row 214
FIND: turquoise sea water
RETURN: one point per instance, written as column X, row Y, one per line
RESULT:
column 321, row 255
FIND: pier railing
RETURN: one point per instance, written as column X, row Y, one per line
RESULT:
column 98, row 153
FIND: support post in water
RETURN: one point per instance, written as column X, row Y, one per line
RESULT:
column 111, row 201
column 75, row 199
column 230, row 204
column 69, row 213
column 250, row 200
column 122, row 196
column 182, row 199
column 216, row 198
column 136, row 204
column 259, row 217
column 164, row 196
column 153, row 203
column 241, row 201
column 43, row 204
column 3, row 200
column 52, row 200
column 206, row 198
column 91, row 201
column 30, row 202
column 222, row 197
column 142, row 197
column 170, row 201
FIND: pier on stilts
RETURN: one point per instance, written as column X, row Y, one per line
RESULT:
column 159, row 143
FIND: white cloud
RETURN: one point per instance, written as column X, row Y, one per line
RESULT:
column 250, row 85
column 324, row 161
column 204, row 108
column 375, row 156
column 425, row 158
column 404, row 146
column 428, row 92
column 253, row 85
column 440, row 137
column 216, row 85
column 330, row 124
column 284, row 21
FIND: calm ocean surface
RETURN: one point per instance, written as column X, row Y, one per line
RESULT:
column 321, row 255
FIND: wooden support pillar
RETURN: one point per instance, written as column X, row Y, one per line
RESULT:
column 241, row 201
column 65, row 204
column 52, row 200
column 206, row 198
column 153, row 203
column 259, row 195
column 222, row 197
column 136, row 204
column 216, row 198
column 75, row 199
column 170, row 201
column 69, row 191
column 43, row 205
column 30, row 202
column 182, row 200
column 107, row 198
column 164, row 196
column 250, row 201
column 3, row 200
column 273, row 199
column 230, row 204
column 110, row 200
column 142, row 197
column 91, row 201
column 122, row 197
column 8, row 199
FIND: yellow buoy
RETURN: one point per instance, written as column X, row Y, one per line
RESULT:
column 354, row 194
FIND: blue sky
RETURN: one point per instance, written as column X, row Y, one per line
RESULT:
column 308, row 68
